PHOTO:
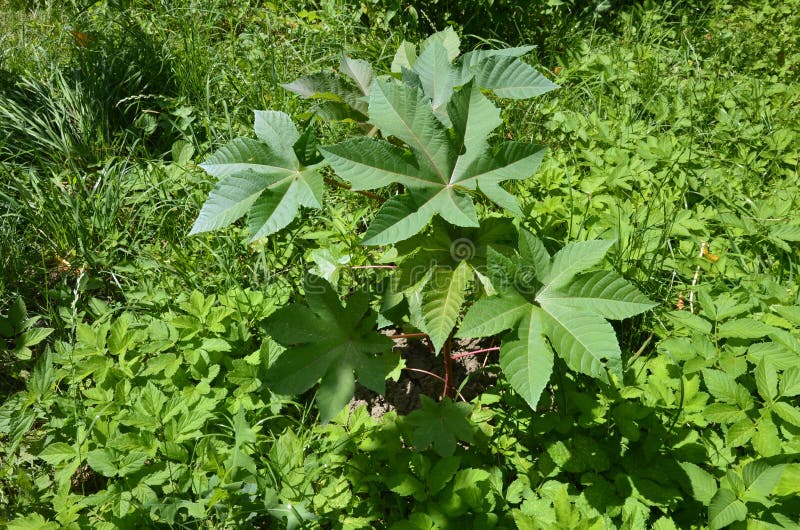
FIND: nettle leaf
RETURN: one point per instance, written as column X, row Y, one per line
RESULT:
column 327, row 343
column 440, row 168
column 569, row 308
column 263, row 178
column 703, row 484
column 766, row 380
column 760, row 479
column 725, row 509
column 59, row 452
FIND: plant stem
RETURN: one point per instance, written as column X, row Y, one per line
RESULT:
column 373, row 267
column 448, row 369
column 476, row 352
column 374, row 196
column 408, row 336
column 420, row 370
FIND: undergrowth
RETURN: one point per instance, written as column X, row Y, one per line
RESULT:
column 136, row 382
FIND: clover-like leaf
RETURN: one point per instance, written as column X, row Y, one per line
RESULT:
column 327, row 343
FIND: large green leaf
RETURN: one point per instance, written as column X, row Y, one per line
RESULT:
column 368, row 164
column 277, row 130
column 404, row 112
column 327, row 342
column 474, row 118
column 528, row 362
column 399, row 218
column 347, row 101
column 510, row 161
column 533, row 251
column 440, row 425
column 442, row 165
column 437, row 258
column 447, row 38
column 230, row 199
column 437, row 77
column 262, row 178
column 245, row 155
column 571, row 312
column 359, row 71
column 471, row 61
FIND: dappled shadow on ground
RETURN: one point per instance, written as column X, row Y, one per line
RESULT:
column 470, row 377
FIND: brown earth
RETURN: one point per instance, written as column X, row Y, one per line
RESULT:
column 404, row 395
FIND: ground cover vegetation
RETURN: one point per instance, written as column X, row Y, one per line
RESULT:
column 221, row 221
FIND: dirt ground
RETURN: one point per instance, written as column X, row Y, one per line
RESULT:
column 403, row 395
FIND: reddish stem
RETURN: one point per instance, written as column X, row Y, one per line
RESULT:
column 409, row 336
column 420, row 370
column 448, row 370
column 476, row 352
column 373, row 196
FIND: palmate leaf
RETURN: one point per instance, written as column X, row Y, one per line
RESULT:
column 327, row 343
column 499, row 70
column 573, row 259
column 437, row 77
column 492, row 315
column 440, row 425
column 263, row 178
column 443, row 166
column 570, row 309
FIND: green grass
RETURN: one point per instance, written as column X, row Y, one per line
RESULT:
column 676, row 126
